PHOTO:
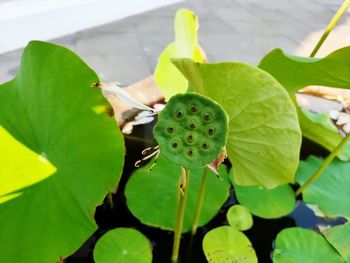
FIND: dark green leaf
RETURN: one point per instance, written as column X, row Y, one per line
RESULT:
column 296, row 245
column 339, row 238
column 266, row 203
column 331, row 188
column 239, row 217
column 49, row 110
column 152, row 196
column 123, row 245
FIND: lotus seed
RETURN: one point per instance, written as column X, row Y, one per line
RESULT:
column 193, row 129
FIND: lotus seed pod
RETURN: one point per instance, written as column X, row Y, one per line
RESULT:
column 191, row 130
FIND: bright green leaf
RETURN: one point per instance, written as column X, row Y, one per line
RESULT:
column 239, row 217
column 264, row 135
column 152, row 196
column 167, row 76
column 19, row 167
column 319, row 128
column 339, row 238
column 48, row 108
column 123, row 245
column 330, row 190
column 296, row 245
column 227, row 244
column 266, row 203
column 295, row 73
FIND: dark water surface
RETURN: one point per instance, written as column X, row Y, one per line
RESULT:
column 262, row 234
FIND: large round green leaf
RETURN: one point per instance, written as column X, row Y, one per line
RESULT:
column 330, row 190
column 49, row 109
column 239, row 217
column 152, row 196
column 264, row 135
column 227, row 244
column 123, row 245
column 168, row 78
column 339, row 238
column 296, row 245
column 266, row 203
column 295, row 73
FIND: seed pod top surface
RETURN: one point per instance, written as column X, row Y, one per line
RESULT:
column 191, row 130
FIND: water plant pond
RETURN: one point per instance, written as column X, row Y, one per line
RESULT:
column 222, row 163
column 262, row 234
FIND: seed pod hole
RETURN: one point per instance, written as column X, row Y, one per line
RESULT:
column 205, row 146
column 175, row 144
column 193, row 125
column 170, row 129
column 190, row 153
column 190, row 138
column 179, row 114
column 194, row 109
column 207, row 116
column 211, row 131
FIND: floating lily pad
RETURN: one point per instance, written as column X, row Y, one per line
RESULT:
column 125, row 245
column 266, row 203
column 239, row 217
column 330, row 189
column 227, row 244
column 339, row 238
column 168, row 78
column 152, row 196
column 295, row 245
column 295, row 73
column 47, row 110
column 264, row 135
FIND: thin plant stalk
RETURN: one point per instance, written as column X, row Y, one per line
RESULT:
column 200, row 201
column 324, row 165
column 341, row 145
column 180, row 214
column 330, row 26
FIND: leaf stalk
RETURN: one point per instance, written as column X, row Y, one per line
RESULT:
column 200, row 201
column 330, row 26
column 324, row 165
column 181, row 205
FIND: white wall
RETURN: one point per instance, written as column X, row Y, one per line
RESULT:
column 25, row 20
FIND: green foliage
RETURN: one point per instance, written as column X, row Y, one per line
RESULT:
column 266, row 203
column 295, row 73
column 191, row 130
column 124, row 245
column 20, row 167
column 167, row 76
column 295, row 245
column 339, row 238
column 264, row 136
column 152, row 196
column 329, row 190
column 239, row 217
column 46, row 113
column 227, row 244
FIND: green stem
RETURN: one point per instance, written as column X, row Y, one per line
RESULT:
column 324, row 165
column 330, row 26
column 180, row 215
column 200, row 201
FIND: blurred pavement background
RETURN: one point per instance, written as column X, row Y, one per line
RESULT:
column 230, row 30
